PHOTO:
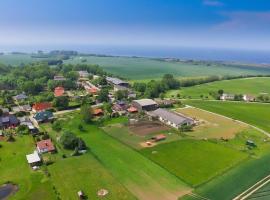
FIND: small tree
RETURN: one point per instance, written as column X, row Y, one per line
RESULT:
column 86, row 113
column 57, row 126
column 185, row 128
column 61, row 103
column 103, row 95
column 68, row 140
column 23, row 129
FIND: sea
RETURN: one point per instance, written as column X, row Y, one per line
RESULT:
column 212, row 54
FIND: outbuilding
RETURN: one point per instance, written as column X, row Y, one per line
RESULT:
column 145, row 104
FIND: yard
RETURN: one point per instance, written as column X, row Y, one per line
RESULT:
column 211, row 125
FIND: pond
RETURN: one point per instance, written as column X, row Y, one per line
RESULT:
column 7, row 190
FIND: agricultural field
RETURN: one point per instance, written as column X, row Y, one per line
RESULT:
column 256, row 114
column 252, row 86
column 140, row 176
column 262, row 194
column 211, row 125
column 14, row 168
column 189, row 159
column 11, row 59
column 143, row 68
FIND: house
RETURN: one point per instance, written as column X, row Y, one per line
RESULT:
column 23, row 108
column 92, row 91
column 171, row 118
column 117, row 81
column 248, row 98
column 59, row 91
column 43, row 116
column 9, row 121
column 59, row 78
column 119, row 88
column 225, row 97
column 38, row 107
column 33, row 159
column 159, row 137
column 132, row 109
column 145, row 104
column 27, row 122
column 20, row 97
column 83, row 74
column 120, row 107
column 5, row 111
column 45, row 146
column 97, row 112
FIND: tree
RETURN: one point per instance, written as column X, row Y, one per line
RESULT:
column 103, row 95
column 86, row 113
column 220, row 92
column 170, row 82
column 23, row 129
column 57, row 126
column 107, row 107
column 61, row 103
column 69, row 140
column 185, row 128
column 121, row 94
column 72, row 75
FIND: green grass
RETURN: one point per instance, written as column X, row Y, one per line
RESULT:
column 140, row 176
column 14, row 168
column 85, row 173
column 17, row 59
column 143, row 68
column 194, row 161
column 252, row 86
column 256, row 114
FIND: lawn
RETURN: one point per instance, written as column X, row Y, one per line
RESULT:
column 143, row 178
column 211, row 125
column 194, row 161
column 14, row 168
column 256, row 114
column 252, row 86
column 143, row 68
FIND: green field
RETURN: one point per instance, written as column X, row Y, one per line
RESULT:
column 17, row 59
column 143, row 178
column 143, row 68
column 256, row 114
column 190, row 159
column 261, row 194
column 14, row 168
column 251, row 86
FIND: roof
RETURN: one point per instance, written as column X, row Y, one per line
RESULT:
column 43, row 115
column 171, row 116
column 59, row 91
column 42, row 106
column 132, row 109
column 9, row 119
column 160, row 137
column 21, row 108
column 146, row 102
column 20, row 97
column 33, row 158
column 97, row 111
column 115, row 81
column 92, row 90
column 59, row 78
column 46, row 145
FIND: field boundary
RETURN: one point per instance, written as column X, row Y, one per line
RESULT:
column 255, row 127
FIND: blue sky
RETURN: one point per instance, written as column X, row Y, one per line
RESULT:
column 236, row 24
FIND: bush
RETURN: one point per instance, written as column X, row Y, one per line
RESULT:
column 57, row 126
column 70, row 141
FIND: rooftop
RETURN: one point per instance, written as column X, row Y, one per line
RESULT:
column 115, row 81
column 46, row 144
column 33, row 158
column 145, row 102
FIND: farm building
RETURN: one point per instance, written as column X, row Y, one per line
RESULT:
column 227, row 97
column 33, row 159
column 171, row 118
column 23, row 108
column 145, row 104
column 45, row 146
column 59, row 78
column 38, row 107
column 117, row 81
column 43, row 116
column 83, row 74
column 8, row 121
column 120, row 107
column 247, row 97
column 59, row 91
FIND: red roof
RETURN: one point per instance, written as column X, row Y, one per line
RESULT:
column 92, row 90
column 160, row 137
column 59, row 91
column 45, row 145
column 132, row 109
column 97, row 111
column 42, row 106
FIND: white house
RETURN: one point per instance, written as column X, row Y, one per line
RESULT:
column 33, row 159
column 225, row 97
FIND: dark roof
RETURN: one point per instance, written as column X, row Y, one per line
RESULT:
column 43, row 115
column 145, row 102
column 9, row 120
column 20, row 96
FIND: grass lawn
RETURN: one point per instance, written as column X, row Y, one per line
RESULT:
column 194, row 161
column 14, row 168
column 143, row 178
column 253, row 113
column 85, row 173
column 143, row 68
column 252, row 86
column 211, row 125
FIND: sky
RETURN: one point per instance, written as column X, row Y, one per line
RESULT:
column 229, row 24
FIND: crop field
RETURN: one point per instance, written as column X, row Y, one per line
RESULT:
column 256, row 114
column 143, row 68
column 190, row 159
column 14, row 168
column 17, row 59
column 261, row 194
column 251, row 86
column 143, row 178
column 211, row 125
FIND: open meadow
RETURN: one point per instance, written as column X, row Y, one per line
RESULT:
column 252, row 86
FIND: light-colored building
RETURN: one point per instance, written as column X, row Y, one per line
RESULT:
column 33, row 159
column 171, row 118
column 247, row 97
column 145, row 104
column 225, row 97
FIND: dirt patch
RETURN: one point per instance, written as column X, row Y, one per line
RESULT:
column 147, row 127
